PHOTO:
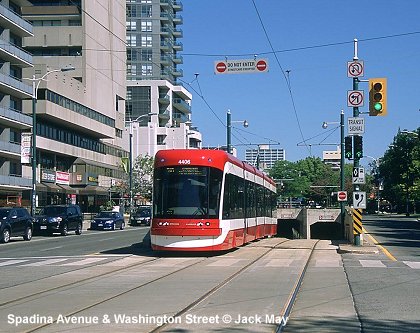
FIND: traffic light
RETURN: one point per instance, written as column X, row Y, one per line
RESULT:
column 377, row 97
column 348, row 147
column 358, row 146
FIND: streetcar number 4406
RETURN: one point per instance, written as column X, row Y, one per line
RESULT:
column 184, row 162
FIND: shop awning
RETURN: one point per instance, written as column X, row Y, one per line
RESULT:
column 67, row 189
column 41, row 187
column 91, row 189
column 53, row 187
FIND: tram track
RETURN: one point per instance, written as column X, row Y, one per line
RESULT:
column 186, row 308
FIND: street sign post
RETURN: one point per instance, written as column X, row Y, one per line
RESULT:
column 241, row 66
column 359, row 175
column 355, row 98
column 355, row 125
column 359, row 200
column 342, row 195
column 355, row 68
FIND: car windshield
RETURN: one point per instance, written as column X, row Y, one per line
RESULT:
column 106, row 214
column 4, row 213
column 52, row 210
column 144, row 212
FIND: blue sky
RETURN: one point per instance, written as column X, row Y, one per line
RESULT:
column 217, row 29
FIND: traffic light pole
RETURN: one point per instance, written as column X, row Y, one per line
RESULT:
column 356, row 113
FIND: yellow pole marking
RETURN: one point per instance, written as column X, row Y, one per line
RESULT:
column 384, row 250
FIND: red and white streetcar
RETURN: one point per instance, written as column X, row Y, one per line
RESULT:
column 208, row 200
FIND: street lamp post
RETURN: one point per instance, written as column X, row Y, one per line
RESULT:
column 35, row 85
column 325, row 125
column 229, row 122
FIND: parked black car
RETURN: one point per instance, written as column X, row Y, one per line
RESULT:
column 108, row 221
column 15, row 222
column 59, row 219
column 143, row 215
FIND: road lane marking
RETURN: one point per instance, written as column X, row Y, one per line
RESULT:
column 371, row 263
column 384, row 250
column 412, row 264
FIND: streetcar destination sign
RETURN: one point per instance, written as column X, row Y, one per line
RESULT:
column 240, row 66
column 356, row 125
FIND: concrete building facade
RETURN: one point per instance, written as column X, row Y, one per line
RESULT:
column 80, row 113
column 264, row 156
column 15, row 177
column 153, row 87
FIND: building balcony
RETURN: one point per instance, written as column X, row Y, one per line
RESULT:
column 178, row 46
column 165, row 60
column 177, row 5
column 166, row 17
column 15, row 119
column 181, row 105
column 166, row 46
column 177, row 72
column 15, row 182
column 177, row 19
column 178, row 60
column 164, row 115
column 15, row 87
column 164, row 99
column 11, row 20
column 10, row 149
column 178, row 33
column 165, row 31
column 14, row 54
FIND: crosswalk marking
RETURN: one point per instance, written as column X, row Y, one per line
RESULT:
column 11, row 262
column 45, row 262
column 412, row 264
column 371, row 263
column 84, row 262
column 172, row 262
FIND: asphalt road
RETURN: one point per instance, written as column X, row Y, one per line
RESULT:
column 386, row 287
column 89, row 242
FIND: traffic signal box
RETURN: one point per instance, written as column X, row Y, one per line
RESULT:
column 377, row 97
column 358, row 146
column 348, row 147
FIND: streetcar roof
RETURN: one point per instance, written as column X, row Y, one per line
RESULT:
column 203, row 157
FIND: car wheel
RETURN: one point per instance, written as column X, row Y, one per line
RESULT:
column 28, row 234
column 79, row 228
column 122, row 226
column 5, row 237
column 64, row 231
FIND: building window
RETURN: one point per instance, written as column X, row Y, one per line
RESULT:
column 146, row 41
column 146, row 26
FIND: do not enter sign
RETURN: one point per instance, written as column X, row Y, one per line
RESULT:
column 242, row 66
column 342, row 196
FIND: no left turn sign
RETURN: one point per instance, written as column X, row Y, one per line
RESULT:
column 355, row 98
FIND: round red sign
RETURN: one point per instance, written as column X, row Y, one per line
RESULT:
column 342, row 195
column 221, row 67
column 261, row 65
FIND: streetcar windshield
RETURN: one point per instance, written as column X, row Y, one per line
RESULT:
column 187, row 192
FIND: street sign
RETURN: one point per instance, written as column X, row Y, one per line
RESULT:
column 25, row 148
column 355, row 125
column 240, row 66
column 359, row 175
column 355, row 68
column 359, row 200
column 342, row 195
column 355, row 98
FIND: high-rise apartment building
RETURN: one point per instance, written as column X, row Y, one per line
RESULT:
column 15, row 178
column 80, row 113
column 158, row 106
column 264, row 157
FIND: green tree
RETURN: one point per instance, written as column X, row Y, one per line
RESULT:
column 143, row 176
column 400, row 170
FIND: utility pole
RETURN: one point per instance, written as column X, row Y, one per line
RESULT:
column 358, row 239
